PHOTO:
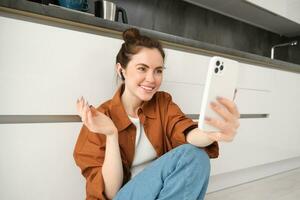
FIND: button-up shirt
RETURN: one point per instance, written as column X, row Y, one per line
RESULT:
column 165, row 126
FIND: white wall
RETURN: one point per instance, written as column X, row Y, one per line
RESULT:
column 44, row 68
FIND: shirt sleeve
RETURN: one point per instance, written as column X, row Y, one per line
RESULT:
column 89, row 156
column 178, row 125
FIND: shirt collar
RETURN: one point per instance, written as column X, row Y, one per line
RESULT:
column 119, row 115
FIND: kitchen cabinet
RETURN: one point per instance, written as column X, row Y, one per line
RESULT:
column 185, row 77
column 46, row 69
column 185, row 67
column 49, row 75
column 37, row 162
column 265, row 146
column 259, row 149
column 254, row 89
column 285, row 113
column 49, row 67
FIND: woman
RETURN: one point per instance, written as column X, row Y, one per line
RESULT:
column 139, row 144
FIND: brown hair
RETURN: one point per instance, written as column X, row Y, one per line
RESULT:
column 132, row 45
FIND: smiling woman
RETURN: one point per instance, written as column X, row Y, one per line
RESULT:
column 142, row 76
column 119, row 144
column 140, row 65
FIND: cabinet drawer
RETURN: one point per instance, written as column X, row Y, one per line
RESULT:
column 253, row 101
column 255, row 77
column 189, row 97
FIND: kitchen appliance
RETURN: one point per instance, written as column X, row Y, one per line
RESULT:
column 109, row 11
column 80, row 5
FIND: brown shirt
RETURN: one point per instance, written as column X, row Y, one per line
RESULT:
column 165, row 126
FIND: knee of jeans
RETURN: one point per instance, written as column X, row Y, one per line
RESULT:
column 197, row 155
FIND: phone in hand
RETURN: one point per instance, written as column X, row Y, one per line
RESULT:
column 221, row 81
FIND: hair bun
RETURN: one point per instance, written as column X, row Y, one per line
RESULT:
column 131, row 35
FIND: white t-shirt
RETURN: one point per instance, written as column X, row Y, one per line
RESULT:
column 144, row 151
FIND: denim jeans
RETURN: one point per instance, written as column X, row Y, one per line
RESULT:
column 180, row 174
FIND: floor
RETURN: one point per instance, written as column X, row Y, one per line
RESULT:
column 284, row 186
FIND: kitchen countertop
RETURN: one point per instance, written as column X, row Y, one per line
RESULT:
column 87, row 20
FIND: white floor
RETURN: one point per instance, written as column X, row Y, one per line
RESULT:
column 284, row 186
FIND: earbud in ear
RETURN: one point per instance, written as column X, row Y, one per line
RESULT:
column 121, row 75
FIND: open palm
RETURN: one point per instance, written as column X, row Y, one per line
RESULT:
column 94, row 120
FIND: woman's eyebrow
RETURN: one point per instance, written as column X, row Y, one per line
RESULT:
column 143, row 64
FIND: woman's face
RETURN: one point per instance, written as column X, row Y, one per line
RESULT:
column 144, row 74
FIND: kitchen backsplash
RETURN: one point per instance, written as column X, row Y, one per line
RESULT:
column 187, row 20
column 180, row 18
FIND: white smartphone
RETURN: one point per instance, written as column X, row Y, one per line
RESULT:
column 221, row 80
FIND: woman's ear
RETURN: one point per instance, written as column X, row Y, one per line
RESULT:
column 120, row 71
column 121, row 75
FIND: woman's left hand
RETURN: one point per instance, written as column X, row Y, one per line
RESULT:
column 230, row 123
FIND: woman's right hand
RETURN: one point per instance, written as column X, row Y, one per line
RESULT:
column 94, row 120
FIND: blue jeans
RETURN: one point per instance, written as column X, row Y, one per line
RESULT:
column 182, row 174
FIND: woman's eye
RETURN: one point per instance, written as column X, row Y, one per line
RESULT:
column 159, row 71
column 142, row 69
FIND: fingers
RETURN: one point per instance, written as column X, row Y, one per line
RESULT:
column 222, row 125
column 82, row 107
column 89, row 118
column 227, row 130
column 94, row 111
column 79, row 103
column 230, row 105
column 84, row 112
column 222, row 111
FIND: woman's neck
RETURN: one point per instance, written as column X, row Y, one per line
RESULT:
column 131, row 103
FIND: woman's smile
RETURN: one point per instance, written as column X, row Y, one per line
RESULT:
column 147, row 89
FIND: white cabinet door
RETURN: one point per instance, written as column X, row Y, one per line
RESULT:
column 254, row 89
column 46, row 68
column 37, row 162
column 285, row 112
column 185, row 67
column 251, row 147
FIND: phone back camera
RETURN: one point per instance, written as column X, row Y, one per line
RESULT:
column 218, row 63
column 221, row 67
column 216, row 70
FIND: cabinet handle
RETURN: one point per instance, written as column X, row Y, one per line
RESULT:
column 242, row 116
column 21, row 119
